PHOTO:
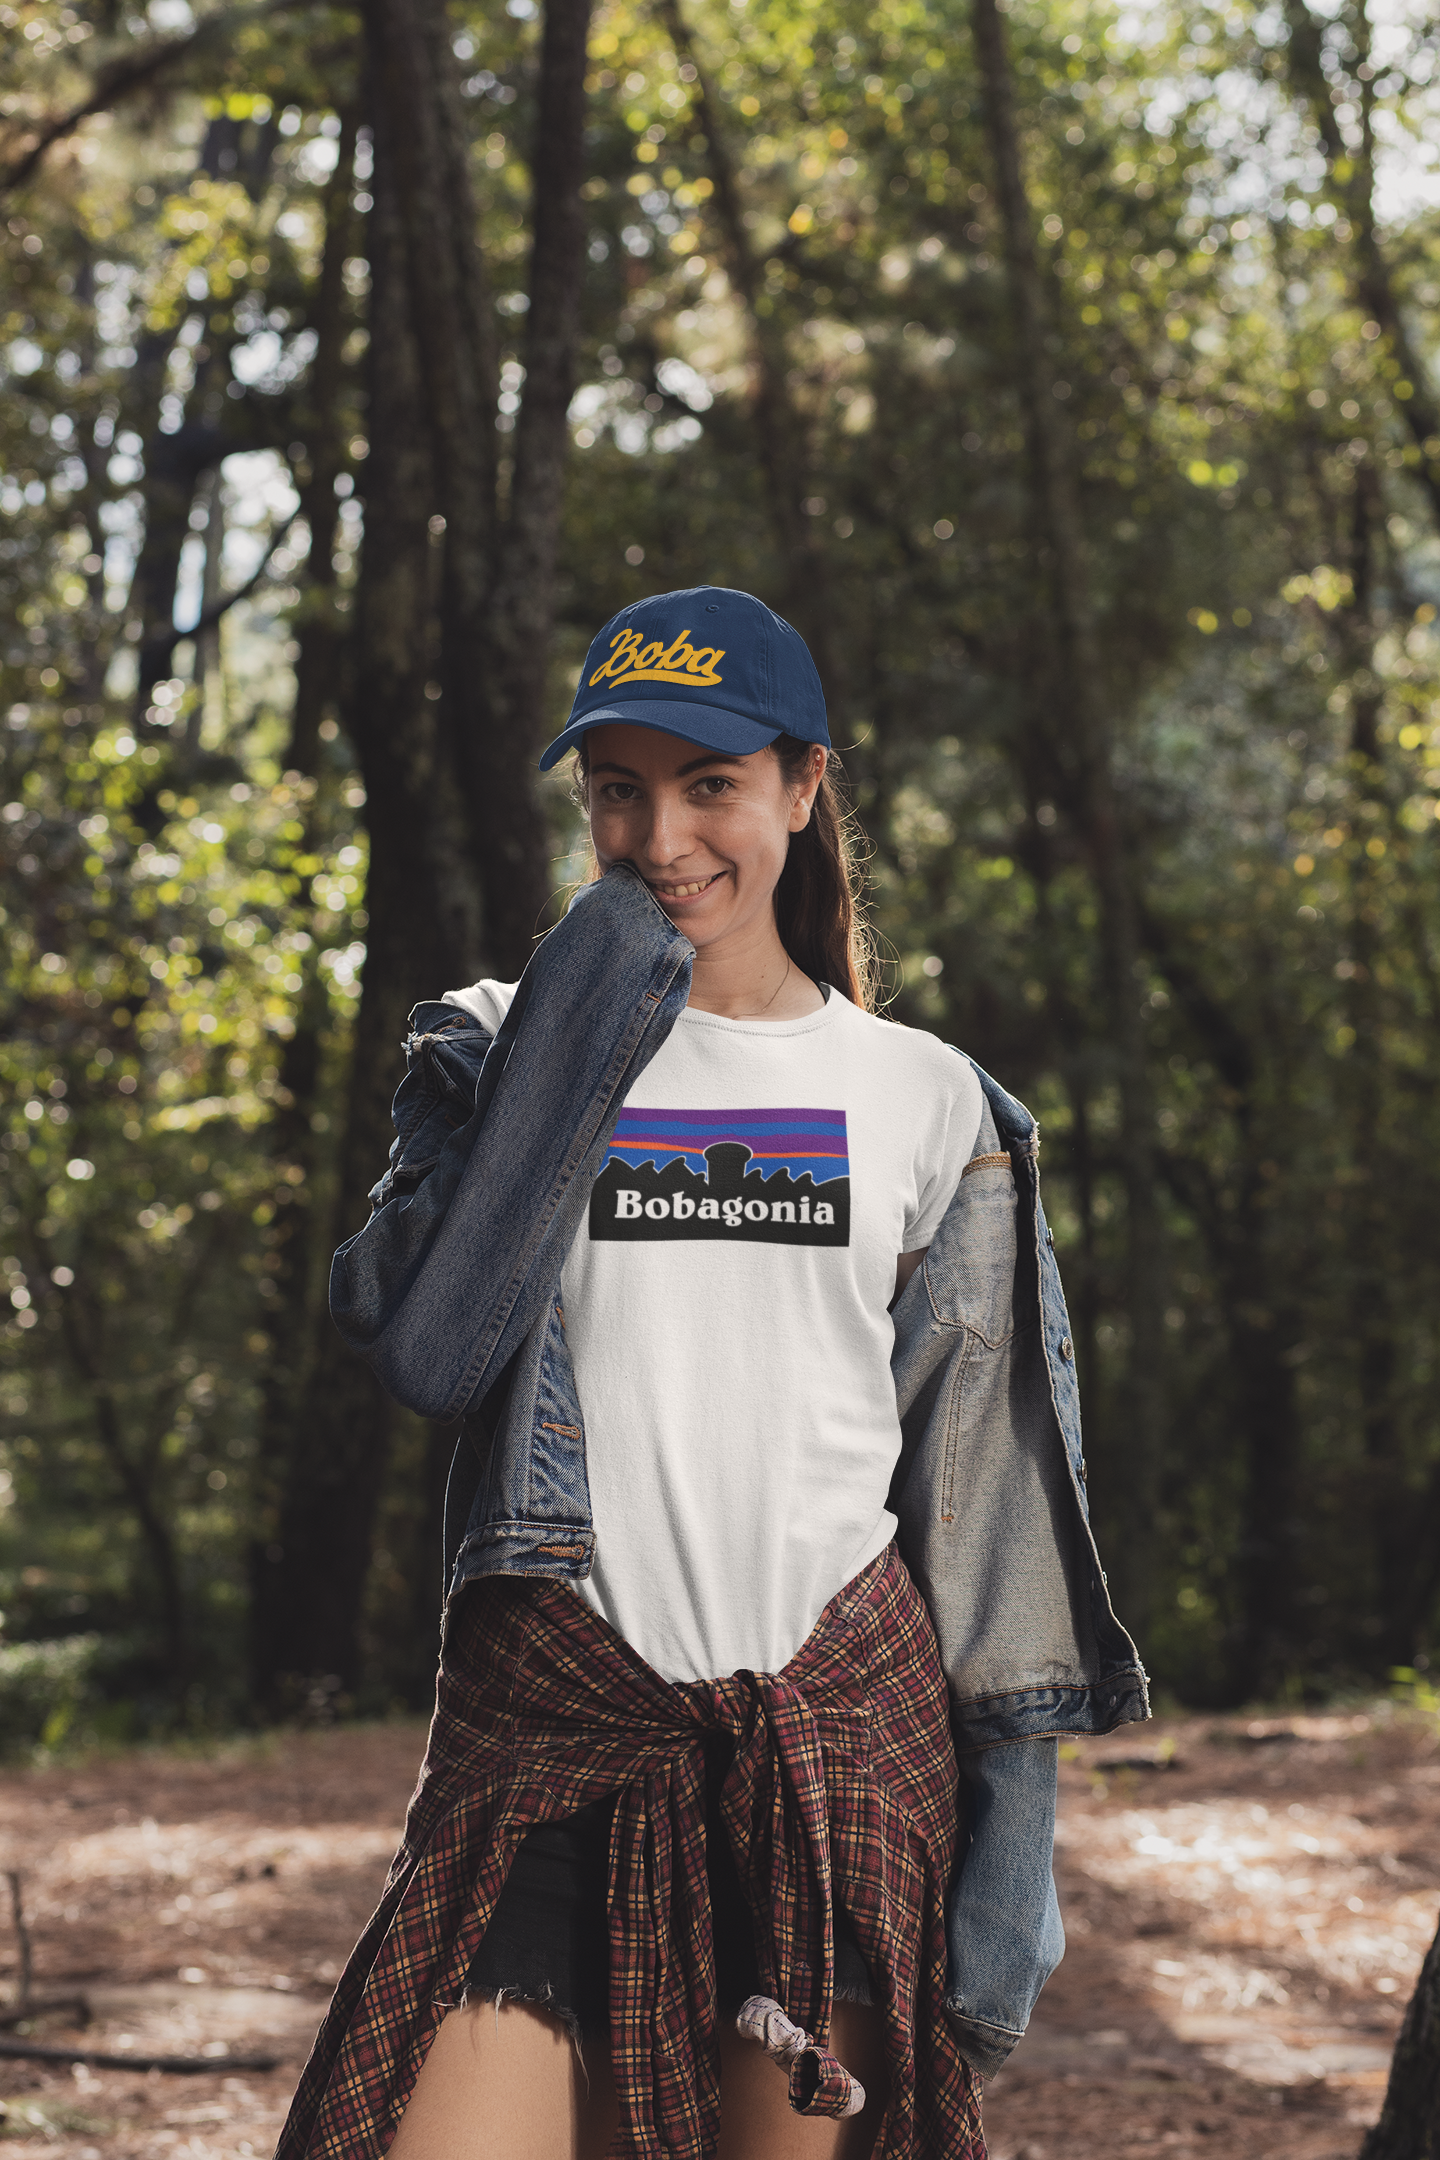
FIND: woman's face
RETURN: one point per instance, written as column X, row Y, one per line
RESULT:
column 707, row 832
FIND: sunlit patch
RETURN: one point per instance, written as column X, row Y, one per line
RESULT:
column 1311, row 1885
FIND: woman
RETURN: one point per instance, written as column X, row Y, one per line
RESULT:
column 689, row 1807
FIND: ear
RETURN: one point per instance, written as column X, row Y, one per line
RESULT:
column 809, row 788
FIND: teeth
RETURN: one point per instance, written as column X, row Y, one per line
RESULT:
column 685, row 892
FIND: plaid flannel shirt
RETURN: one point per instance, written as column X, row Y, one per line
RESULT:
column 842, row 1789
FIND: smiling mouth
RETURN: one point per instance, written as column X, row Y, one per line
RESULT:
column 684, row 892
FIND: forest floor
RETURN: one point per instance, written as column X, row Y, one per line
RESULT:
column 1247, row 1903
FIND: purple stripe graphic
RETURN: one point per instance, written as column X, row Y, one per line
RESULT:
column 703, row 1120
column 800, row 1139
column 758, row 1143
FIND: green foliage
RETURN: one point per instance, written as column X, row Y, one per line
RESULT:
column 184, row 883
column 1415, row 1690
column 40, row 1686
column 72, row 1690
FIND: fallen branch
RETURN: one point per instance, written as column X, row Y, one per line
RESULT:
column 45, row 2006
column 105, row 2059
column 1157, row 1761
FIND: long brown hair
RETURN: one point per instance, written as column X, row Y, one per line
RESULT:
column 818, row 909
column 818, row 899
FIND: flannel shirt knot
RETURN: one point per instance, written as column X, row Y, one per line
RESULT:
column 773, row 1805
column 819, row 2084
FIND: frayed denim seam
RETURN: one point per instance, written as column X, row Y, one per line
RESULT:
column 530, row 1999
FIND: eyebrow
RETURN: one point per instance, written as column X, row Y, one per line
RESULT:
column 712, row 757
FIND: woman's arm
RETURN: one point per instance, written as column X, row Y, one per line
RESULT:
column 905, row 1267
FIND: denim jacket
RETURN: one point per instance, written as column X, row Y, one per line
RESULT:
column 451, row 1294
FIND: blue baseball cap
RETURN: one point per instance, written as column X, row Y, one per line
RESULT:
column 716, row 666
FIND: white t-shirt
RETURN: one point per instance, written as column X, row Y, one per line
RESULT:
column 726, row 1307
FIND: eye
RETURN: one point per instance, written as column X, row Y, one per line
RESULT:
column 712, row 786
column 619, row 793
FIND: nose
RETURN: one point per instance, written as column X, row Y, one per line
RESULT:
column 671, row 836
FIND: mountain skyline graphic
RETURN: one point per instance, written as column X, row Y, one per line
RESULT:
column 735, row 1201
column 777, row 1137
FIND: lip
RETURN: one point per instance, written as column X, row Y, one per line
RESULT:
column 694, row 890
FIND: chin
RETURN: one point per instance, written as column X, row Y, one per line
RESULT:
column 701, row 925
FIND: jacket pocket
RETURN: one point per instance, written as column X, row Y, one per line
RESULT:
column 970, row 1267
column 987, row 1382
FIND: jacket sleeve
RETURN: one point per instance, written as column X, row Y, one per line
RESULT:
column 1003, row 1925
column 497, row 1141
column 444, row 1052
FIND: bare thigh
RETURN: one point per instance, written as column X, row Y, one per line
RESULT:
column 508, row 2085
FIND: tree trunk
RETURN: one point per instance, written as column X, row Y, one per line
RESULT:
column 1268, row 1419
column 100, row 627
column 82, row 1327
column 454, row 616
column 1375, row 1319
column 1262, row 1320
column 212, row 494
column 1409, row 2125
column 173, row 465
column 1352, row 188
column 310, row 1579
column 1083, row 1298
column 1071, row 689
column 316, row 683
column 779, row 429
column 175, row 462
column 502, row 741
column 293, row 1320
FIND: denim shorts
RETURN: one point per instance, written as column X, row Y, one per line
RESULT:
column 548, row 1941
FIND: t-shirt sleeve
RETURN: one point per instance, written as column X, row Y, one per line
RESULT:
column 950, row 1133
column 487, row 1001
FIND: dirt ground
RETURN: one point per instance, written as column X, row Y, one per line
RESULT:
column 1247, row 1905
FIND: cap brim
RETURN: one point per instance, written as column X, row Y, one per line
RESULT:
column 706, row 725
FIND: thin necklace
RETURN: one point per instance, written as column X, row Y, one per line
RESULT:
column 789, row 964
column 773, row 995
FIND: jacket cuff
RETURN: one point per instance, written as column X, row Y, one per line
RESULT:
column 986, row 2048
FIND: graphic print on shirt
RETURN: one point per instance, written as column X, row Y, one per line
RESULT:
column 764, row 1177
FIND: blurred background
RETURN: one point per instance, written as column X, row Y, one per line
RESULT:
column 1066, row 373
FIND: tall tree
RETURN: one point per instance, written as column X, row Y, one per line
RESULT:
column 781, row 433
column 421, row 936
column 455, row 606
column 1071, row 716
column 499, row 736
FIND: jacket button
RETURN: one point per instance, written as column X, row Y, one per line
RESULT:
column 1050, row 1239
column 1067, row 1349
column 1084, row 1474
